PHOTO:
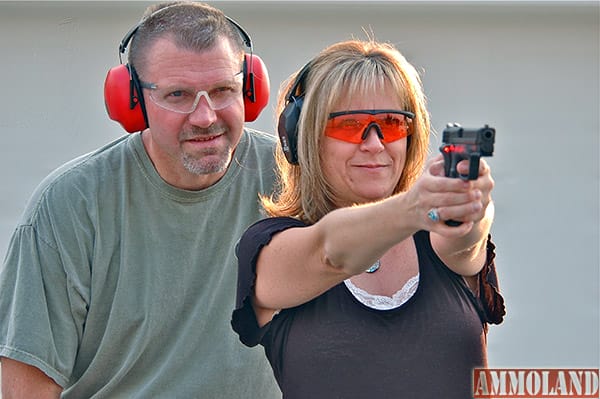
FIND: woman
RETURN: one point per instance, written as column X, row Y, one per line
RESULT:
column 355, row 286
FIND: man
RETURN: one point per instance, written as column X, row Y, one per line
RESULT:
column 120, row 278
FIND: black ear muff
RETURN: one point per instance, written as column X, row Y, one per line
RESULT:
column 124, row 100
column 287, row 126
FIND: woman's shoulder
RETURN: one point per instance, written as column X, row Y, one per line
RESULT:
column 272, row 225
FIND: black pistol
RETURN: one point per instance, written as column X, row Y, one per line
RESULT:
column 459, row 143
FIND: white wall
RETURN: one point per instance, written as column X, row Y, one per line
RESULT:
column 530, row 69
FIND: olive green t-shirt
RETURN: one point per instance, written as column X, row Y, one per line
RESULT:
column 118, row 285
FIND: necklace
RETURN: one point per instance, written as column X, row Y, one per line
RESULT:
column 374, row 267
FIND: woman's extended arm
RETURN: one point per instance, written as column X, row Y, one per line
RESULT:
column 301, row 263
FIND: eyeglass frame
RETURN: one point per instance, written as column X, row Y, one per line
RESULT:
column 199, row 94
column 408, row 114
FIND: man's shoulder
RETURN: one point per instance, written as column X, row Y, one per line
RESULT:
column 88, row 162
column 260, row 146
column 261, row 138
column 77, row 175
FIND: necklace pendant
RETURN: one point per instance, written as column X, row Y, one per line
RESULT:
column 374, row 267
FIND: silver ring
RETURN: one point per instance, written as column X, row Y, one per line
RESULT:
column 434, row 215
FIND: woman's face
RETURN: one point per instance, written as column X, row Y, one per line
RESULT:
column 370, row 170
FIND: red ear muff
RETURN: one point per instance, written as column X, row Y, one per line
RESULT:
column 256, row 87
column 121, row 99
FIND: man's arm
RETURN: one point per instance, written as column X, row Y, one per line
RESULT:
column 20, row 380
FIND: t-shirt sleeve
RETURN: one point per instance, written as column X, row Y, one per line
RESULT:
column 251, row 243
column 37, row 326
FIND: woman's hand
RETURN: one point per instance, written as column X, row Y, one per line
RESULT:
column 461, row 247
column 479, row 191
column 465, row 201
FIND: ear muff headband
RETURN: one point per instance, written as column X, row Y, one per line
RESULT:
column 256, row 79
column 289, row 117
column 124, row 101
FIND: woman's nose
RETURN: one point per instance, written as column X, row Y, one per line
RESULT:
column 372, row 138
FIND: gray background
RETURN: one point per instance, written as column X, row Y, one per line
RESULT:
column 530, row 69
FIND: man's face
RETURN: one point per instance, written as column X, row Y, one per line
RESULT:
column 192, row 151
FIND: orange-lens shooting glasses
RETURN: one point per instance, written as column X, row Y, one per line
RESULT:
column 353, row 126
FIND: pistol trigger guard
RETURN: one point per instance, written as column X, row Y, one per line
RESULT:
column 474, row 166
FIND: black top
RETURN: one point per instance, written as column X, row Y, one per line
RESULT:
column 336, row 347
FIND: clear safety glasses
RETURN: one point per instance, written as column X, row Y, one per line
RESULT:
column 184, row 100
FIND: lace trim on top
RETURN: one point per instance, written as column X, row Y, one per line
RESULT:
column 382, row 302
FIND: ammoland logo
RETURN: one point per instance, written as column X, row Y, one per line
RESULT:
column 535, row 383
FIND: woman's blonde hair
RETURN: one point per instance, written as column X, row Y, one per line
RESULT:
column 349, row 68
